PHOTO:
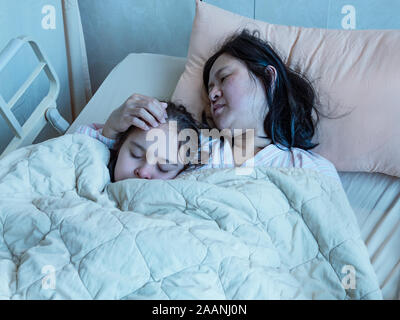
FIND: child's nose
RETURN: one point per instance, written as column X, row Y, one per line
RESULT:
column 143, row 172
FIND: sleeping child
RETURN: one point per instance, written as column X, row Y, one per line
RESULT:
column 129, row 138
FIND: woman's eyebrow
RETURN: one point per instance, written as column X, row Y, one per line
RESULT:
column 220, row 70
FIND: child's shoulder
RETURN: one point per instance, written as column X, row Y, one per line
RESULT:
column 94, row 130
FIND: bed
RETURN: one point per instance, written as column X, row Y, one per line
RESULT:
column 374, row 197
column 50, row 241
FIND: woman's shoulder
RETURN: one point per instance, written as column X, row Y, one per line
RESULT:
column 309, row 155
column 320, row 163
column 312, row 155
column 307, row 159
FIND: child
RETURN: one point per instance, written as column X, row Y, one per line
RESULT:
column 130, row 147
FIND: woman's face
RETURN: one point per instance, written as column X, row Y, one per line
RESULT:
column 133, row 162
column 238, row 101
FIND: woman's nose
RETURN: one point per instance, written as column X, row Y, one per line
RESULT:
column 214, row 94
column 143, row 173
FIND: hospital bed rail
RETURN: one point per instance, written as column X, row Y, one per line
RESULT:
column 45, row 112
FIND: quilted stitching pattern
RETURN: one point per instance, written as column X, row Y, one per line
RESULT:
column 274, row 234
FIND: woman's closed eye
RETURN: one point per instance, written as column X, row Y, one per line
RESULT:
column 223, row 78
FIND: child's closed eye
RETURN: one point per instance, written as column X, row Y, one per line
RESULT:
column 135, row 156
column 164, row 170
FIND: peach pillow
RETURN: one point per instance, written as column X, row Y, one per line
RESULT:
column 356, row 71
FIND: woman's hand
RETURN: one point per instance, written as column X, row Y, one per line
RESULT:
column 138, row 110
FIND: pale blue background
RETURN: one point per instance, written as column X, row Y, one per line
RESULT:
column 115, row 28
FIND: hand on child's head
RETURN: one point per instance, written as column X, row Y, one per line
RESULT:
column 147, row 113
column 138, row 110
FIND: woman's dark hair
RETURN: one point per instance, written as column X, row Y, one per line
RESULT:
column 289, row 121
column 183, row 119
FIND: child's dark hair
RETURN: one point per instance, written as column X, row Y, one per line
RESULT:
column 289, row 121
column 183, row 119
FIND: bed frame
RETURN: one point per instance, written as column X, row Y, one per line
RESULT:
column 45, row 112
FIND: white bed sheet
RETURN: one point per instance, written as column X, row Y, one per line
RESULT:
column 375, row 198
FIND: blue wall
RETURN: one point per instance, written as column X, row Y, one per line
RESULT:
column 24, row 17
column 115, row 28
column 368, row 14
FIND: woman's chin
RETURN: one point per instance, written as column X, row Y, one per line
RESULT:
column 219, row 123
column 223, row 123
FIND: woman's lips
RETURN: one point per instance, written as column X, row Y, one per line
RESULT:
column 217, row 108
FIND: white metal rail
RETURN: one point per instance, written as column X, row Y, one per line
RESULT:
column 47, row 108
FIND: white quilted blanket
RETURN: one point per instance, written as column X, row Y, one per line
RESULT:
column 67, row 233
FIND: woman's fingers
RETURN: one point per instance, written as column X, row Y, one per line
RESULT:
column 153, row 106
column 165, row 105
column 140, row 124
column 146, row 116
column 157, row 109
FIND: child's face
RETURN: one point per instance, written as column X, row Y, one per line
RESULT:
column 237, row 101
column 133, row 163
